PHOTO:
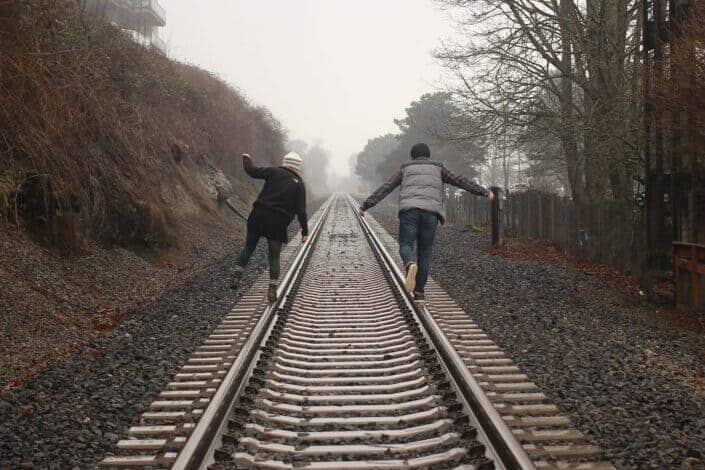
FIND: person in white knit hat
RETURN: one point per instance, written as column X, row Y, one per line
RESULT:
column 282, row 197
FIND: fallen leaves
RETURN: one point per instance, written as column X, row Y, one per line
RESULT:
column 107, row 317
column 546, row 252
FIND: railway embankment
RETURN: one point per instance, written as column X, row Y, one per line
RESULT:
column 114, row 163
column 74, row 412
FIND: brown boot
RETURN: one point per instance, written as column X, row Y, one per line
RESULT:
column 272, row 294
column 236, row 279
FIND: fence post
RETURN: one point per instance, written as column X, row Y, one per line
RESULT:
column 539, row 196
column 495, row 214
column 466, row 217
column 553, row 218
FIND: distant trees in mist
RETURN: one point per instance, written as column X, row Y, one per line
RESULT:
column 559, row 82
column 433, row 119
column 375, row 152
column 316, row 165
column 541, row 92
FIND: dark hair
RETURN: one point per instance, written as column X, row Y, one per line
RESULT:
column 420, row 151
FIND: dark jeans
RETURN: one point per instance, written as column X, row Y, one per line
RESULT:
column 417, row 226
column 274, row 246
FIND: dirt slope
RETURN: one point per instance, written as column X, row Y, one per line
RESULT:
column 114, row 163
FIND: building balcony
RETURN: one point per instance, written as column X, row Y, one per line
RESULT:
column 150, row 12
column 135, row 15
column 160, row 44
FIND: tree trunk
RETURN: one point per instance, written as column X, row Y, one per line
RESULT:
column 568, row 128
column 595, row 171
column 606, row 129
column 616, row 20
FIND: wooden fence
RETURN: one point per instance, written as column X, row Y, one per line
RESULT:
column 689, row 267
column 600, row 232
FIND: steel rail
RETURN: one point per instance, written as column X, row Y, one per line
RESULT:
column 200, row 445
column 505, row 445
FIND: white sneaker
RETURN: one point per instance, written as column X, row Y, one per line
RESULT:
column 411, row 270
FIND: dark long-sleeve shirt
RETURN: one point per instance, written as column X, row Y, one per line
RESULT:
column 448, row 178
column 283, row 192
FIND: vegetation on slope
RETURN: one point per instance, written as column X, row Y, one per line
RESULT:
column 96, row 130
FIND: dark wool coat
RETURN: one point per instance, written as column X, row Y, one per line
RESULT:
column 282, row 197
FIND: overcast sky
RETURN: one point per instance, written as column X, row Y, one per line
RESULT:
column 338, row 71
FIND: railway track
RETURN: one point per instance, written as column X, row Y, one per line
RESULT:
column 345, row 372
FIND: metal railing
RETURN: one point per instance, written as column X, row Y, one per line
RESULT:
column 128, row 14
column 159, row 43
column 144, row 7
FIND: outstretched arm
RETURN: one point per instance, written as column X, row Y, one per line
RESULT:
column 252, row 170
column 463, row 183
column 382, row 191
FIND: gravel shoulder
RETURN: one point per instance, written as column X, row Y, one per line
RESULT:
column 54, row 305
column 73, row 413
column 628, row 374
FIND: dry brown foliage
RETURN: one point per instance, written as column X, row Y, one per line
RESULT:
column 94, row 126
column 681, row 92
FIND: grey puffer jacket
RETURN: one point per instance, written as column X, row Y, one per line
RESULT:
column 422, row 187
column 421, row 182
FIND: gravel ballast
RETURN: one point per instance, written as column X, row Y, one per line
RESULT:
column 72, row 414
column 628, row 377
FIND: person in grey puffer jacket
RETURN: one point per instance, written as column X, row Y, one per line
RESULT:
column 420, row 209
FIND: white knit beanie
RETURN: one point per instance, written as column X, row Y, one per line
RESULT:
column 293, row 161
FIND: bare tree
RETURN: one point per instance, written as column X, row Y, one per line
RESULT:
column 316, row 165
column 566, row 67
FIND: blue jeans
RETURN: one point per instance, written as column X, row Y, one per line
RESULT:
column 417, row 226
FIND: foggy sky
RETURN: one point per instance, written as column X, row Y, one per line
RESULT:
column 338, row 71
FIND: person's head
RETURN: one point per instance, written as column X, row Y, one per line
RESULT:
column 293, row 162
column 420, row 150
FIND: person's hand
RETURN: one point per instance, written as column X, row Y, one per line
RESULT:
column 304, row 238
column 246, row 156
column 361, row 211
column 490, row 195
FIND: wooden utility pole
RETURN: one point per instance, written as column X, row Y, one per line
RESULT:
column 495, row 216
column 683, row 181
column 655, row 36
